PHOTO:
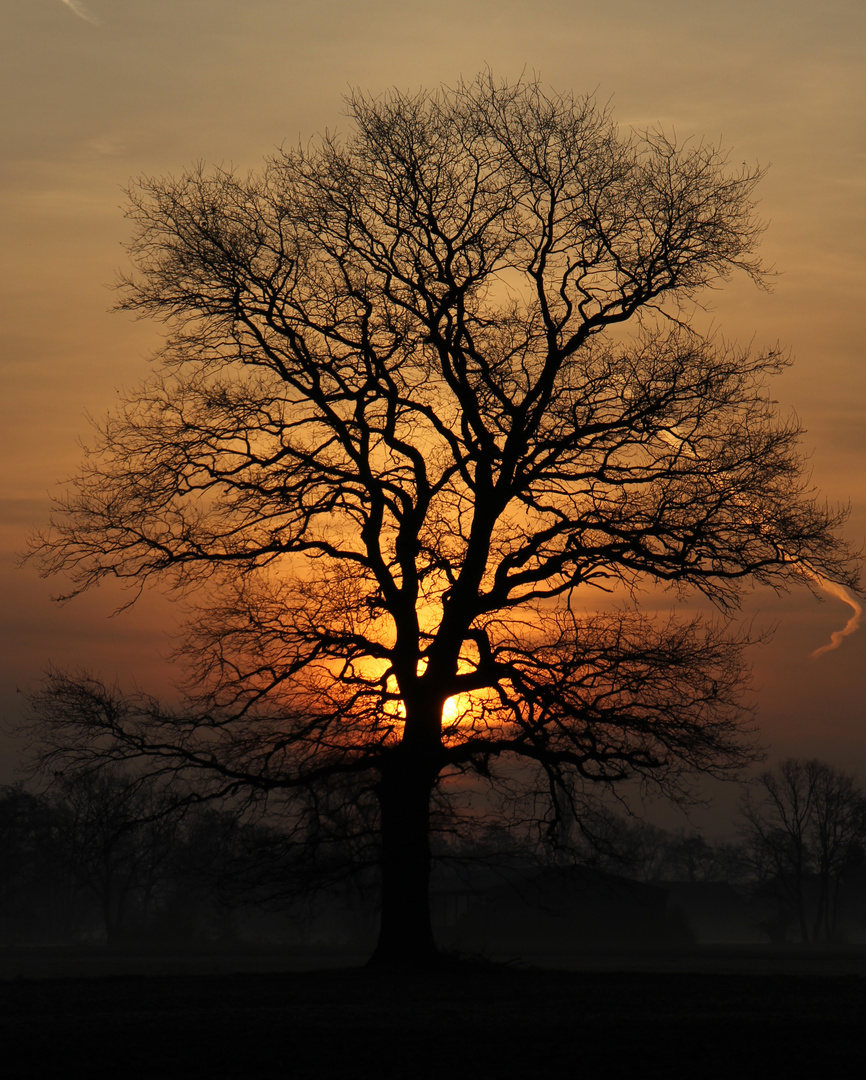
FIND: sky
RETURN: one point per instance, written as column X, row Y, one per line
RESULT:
column 96, row 94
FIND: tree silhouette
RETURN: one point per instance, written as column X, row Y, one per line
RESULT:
column 115, row 833
column 805, row 830
column 429, row 395
column 30, row 882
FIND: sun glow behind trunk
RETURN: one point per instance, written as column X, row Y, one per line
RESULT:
column 453, row 710
column 461, row 711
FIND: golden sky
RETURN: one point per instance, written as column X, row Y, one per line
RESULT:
column 94, row 93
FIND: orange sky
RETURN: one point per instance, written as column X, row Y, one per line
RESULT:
column 95, row 93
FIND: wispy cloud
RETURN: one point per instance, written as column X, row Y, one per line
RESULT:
column 81, row 11
column 853, row 623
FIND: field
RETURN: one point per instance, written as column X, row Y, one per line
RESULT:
column 709, row 1015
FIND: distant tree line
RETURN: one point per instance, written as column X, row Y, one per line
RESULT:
column 799, row 848
column 108, row 856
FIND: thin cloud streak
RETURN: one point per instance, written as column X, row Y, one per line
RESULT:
column 853, row 623
column 81, row 11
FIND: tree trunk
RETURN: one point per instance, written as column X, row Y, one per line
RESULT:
column 821, row 914
column 405, row 930
column 801, row 913
column 833, row 908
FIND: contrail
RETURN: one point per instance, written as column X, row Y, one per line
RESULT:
column 81, row 11
column 842, row 593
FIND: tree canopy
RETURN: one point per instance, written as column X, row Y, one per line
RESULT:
column 429, row 394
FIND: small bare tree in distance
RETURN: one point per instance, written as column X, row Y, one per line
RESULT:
column 805, row 828
column 429, row 393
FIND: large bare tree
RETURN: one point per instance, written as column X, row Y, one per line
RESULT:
column 430, row 395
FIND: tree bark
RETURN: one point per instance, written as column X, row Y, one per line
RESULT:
column 405, row 931
column 821, row 914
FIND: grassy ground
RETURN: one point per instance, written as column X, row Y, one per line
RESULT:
column 464, row 1021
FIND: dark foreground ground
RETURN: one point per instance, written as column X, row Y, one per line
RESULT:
column 467, row 1020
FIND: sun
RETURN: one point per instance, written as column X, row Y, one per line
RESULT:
column 452, row 710
column 462, row 710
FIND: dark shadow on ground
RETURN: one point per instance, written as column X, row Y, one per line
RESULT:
column 466, row 1020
